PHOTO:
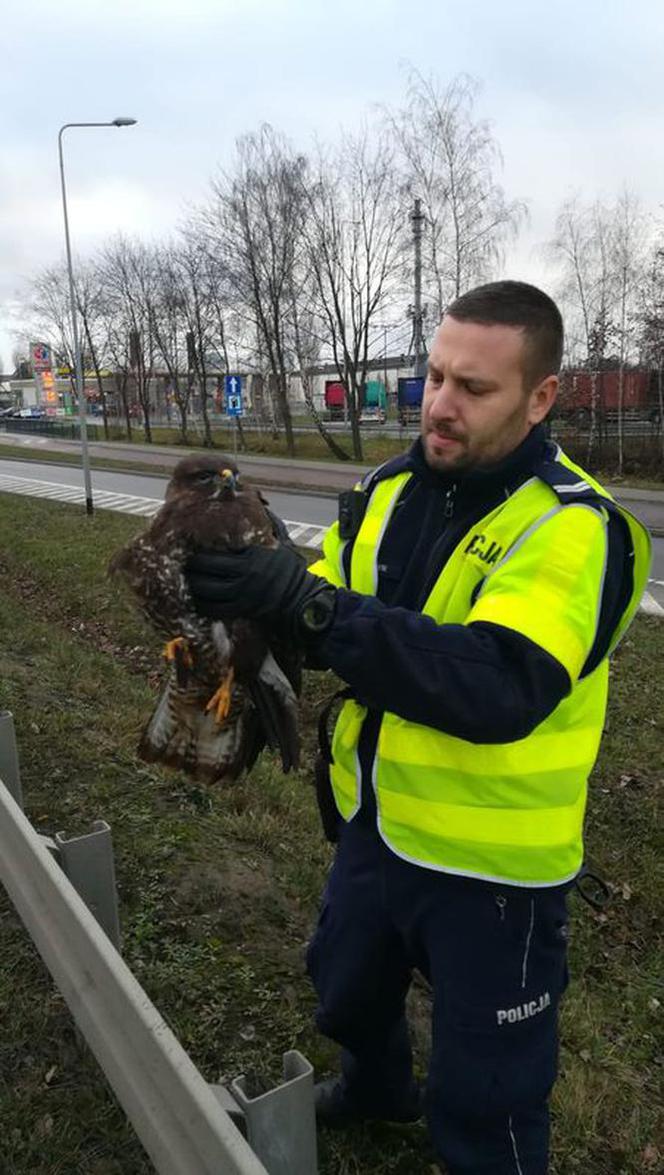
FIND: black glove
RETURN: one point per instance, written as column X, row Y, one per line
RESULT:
column 262, row 583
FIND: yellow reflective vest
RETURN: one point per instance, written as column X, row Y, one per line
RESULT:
column 509, row 812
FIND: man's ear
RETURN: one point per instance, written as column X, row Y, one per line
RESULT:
column 542, row 399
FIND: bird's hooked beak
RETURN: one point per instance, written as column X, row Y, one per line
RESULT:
column 228, row 483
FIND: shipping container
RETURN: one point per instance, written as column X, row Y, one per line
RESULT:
column 374, row 402
column 409, row 398
column 335, row 399
column 374, row 395
column 577, row 388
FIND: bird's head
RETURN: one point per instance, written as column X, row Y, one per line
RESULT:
column 206, row 475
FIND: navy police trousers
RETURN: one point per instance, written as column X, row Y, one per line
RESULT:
column 495, row 956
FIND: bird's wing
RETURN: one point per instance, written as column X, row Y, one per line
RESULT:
column 154, row 571
column 276, row 706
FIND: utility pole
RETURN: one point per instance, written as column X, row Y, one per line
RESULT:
column 417, row 311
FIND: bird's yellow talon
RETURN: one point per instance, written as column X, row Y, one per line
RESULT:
column 178, row 647
column 220, row 701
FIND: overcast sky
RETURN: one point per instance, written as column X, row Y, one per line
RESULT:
column 574, row 89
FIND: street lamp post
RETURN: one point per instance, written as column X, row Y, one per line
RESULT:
column 384, row 327
column 85, row 457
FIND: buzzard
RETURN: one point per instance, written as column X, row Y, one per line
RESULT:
column 232, row 686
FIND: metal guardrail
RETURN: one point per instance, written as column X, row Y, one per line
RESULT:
column 403, row 426
column 41, row 426
column 182, row 1122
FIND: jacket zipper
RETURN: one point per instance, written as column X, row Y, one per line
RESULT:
column 450, row 498
column 445, row 545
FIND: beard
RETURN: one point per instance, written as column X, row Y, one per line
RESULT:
column 450, row 450
column 446, row 451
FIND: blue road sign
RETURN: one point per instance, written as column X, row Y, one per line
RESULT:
column 233, row 394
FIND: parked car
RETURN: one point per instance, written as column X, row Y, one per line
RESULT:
column 373, row 416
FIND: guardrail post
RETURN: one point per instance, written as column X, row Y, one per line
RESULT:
column 9, row 769
column 155, row 1081
column 281, row 1123
column 177, row 1118
column 88, row 863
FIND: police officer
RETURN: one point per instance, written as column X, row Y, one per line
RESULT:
column 469, row 597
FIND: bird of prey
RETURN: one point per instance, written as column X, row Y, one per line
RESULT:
column 231, row 687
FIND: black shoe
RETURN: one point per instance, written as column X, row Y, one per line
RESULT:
column 333, row 1108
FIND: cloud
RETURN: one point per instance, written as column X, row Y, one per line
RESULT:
column 573, row 90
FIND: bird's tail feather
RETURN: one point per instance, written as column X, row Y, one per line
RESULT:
column 183, row 735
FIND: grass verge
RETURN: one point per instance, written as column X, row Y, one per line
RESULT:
column 308, row 446
column 218, row 898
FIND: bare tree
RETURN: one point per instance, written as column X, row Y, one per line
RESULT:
column 49, row 309
column 581, row 248
column 90, row 304
column 600, row 253
column 222, row 314
column 354, row 237
column 254, row 223
column 169, row 326
column 652, row 331
column 449, row 158
column 130, row 280
column 628, row 246
column 117, row 349
column 193, row 263
column 307, row 344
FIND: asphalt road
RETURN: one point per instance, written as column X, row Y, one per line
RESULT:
column 312, row 477
column 296, row 507
column 328, row 476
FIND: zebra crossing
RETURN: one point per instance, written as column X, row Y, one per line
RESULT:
column 305, row 534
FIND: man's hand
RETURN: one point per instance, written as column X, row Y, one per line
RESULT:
column 262, row 583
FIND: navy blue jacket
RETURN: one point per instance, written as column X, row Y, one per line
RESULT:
column 481, row 682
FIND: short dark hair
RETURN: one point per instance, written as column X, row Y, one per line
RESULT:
column 518, row 304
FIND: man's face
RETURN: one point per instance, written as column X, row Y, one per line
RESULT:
column 475, row 409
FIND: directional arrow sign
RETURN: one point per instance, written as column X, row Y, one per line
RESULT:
column 233, row 395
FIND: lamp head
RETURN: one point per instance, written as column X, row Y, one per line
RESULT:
column 124, row 122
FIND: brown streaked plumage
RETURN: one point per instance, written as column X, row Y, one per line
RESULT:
column 231, row 688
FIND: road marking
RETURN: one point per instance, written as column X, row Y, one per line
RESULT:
column 649, row 604
column 305, row 534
